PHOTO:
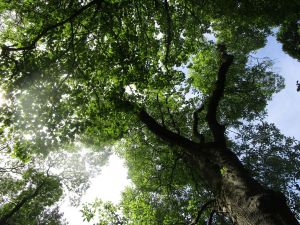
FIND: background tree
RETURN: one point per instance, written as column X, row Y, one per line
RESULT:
column 27, row 195
column 26, row 199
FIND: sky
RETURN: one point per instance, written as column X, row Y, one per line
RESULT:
column 283, row 110
column 107, row 186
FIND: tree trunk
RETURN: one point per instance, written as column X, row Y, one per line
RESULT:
column 245, row 200
column 19, row 205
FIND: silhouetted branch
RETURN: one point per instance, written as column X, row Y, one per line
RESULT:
column 202, row 209
column 164, row 133
column 13, row 169
column 211, row 216
column 214, row 100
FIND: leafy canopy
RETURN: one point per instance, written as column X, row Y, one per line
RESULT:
column 76, row 71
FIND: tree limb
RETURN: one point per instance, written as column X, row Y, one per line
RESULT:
column 202, row 209
column 202, row 151
column 193, row 150
column 216, row 128
column 211, row 216
column 164, row 133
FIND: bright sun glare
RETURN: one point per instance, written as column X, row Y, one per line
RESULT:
column 106, row 186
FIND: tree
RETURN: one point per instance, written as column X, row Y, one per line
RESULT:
column 51, row 216
column 28, row 195
column 27, row 198
column 103, row 71
column 31, row 185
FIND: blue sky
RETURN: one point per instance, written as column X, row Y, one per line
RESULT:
column 284, row 109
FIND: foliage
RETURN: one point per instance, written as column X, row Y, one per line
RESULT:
column 272, row 158
column 83, row 71
column 107, row 213
column 289, row 35
column 25, row 199
column 250, row 84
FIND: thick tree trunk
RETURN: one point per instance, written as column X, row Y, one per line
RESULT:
column 243, row 198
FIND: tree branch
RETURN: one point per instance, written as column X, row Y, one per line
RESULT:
column 164, row 133
column 211, row 216
column 32, row 45
column 216, row 128
column 201, row 151
column 202, row 209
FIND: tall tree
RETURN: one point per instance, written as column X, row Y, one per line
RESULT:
column 101, row 71
column 27, row 198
